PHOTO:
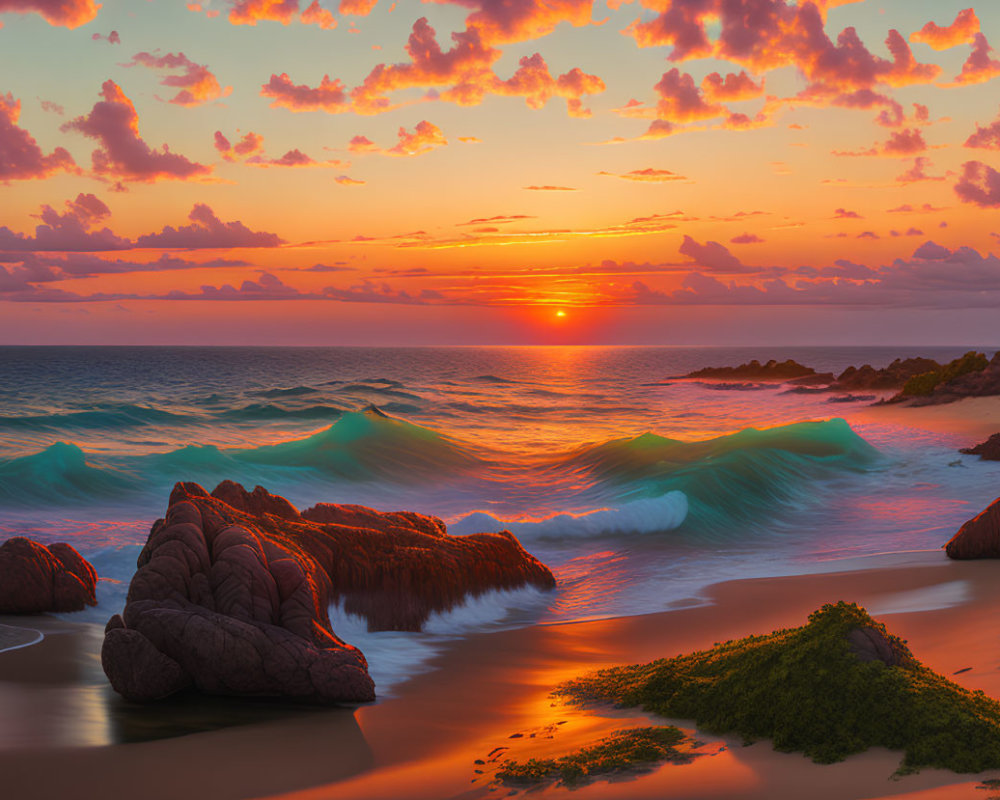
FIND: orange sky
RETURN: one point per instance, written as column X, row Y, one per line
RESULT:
column 277, row 171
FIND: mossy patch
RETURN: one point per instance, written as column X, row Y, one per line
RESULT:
column 807, row 690
column 622, row 751
column 925, row 383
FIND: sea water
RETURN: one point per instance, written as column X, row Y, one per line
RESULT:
column 637, row 489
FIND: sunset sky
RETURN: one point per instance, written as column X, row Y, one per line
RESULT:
column 462, row 171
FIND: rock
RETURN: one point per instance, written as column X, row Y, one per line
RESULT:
column 871, row 644
column 979, row 537
column 232, row 593
column 754, row 370
column 35, row 579
column 892, row 377
column 988, row 450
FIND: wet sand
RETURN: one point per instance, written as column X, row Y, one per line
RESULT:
column 486, row 689
column 975, row 418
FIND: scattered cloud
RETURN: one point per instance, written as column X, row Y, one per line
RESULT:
column 747, row 238
column 550, row 188
column 961, row 31
column 208, row 231
column 111, row 38
column 61, row 13
column 979, row 67
column 647, row 175
column 122, row 154
column 249, row 145
column 20, row 156
column 987, row 138
column 195, row 84
column 328, row 96
column 979, row 185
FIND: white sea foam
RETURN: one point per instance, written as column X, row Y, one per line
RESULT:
column 648, row 515
column 394, row 656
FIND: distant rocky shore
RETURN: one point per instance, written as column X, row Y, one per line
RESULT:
column 916, row 381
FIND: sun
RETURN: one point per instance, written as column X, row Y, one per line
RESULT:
column 560, row 313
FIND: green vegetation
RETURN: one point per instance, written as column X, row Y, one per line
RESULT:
column 805, row 689
column 925, row 383
column 621, row 751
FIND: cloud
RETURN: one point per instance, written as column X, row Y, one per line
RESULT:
column 250, row 12
column 20, row 156
column 734, row 87
column 918, row 172
column 900, row 144
column 979, row 185
column 648, row 175
column 122, row 153
column 713, row 256
column 250, row 145
column 987, row 138
column 347, row 180
column 208, row 231
column 965, row 26
column 747, row 238
column 329, row 96
column 425, row 137
column 843, row 213
column 315, row 14
column 550, row 188
column 111, row 38
column 681, row 101
column 195, row 84
column 70, row 230
column 979, row 67
column 63, row 13
column 292, row 158
column 357, row 8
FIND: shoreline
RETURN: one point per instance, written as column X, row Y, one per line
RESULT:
column 485, row 688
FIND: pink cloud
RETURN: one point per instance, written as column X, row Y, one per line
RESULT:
column 648, row 175
column 328, row 96
column 979, row 67
column 550, row 188
column 249, row 12
column 63, row 13
column 71, row 230
column 347, row 180
column 979, row 185
column 681, row 101
column 732, row 88
column 195, row 84
column 918, row 172
column 965, row 26
column 55, row 108
column 122, row 153
column 900, row 144
column 208, row 231
column 250, row 145
column 424, row 138
column 111, row 38
column 20, row 156
column 713, row 256
column 987, row 138
column 843, row 213
column 747, row 238
column 292, row 158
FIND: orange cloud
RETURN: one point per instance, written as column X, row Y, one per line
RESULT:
column 649, row 174
column 979, row 185
column 357, row 8
column 249, row 12
column 317, row 15
column 122, row 153
column 195, row 85
column 961, row 31
column 903, row 143
column 987, row 138
column 425, row 137
column 732, row 88
column 681, row 101
column 63, row 13
column 918, row 172
column 20, row 156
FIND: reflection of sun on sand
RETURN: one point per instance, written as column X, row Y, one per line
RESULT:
column 12, row 638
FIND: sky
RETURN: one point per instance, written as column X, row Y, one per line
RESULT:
column 499, row 172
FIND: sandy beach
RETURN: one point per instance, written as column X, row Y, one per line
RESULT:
column 485, row 691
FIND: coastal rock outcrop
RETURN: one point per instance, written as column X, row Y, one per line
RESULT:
column 988, row 450
column 754, row 370
column 232, row 592
column 35, row 579
column 892, row 377
column 979, row 537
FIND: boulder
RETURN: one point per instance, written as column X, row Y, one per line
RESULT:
column 979, row 537
column 35, row 579
column 232, row 592
column 988, row 450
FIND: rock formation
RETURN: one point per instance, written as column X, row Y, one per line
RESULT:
column 988, row 450
column 35, row 579
column 979, row 537
column 232, row 591
column 754, row 370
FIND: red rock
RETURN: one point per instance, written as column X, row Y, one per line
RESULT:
column 232, row 592
column 35, row 579
column 979, row 537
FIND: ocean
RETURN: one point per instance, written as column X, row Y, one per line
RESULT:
column 637, row 489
